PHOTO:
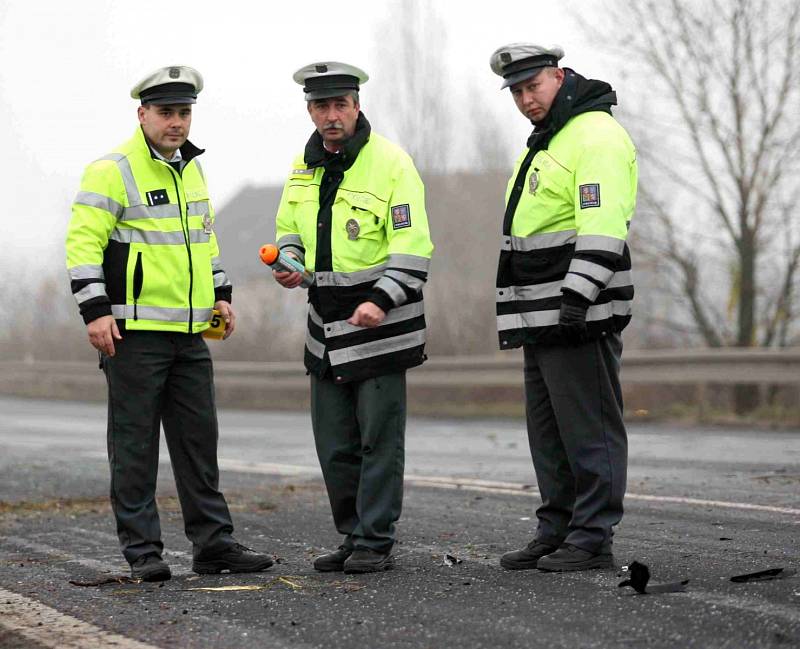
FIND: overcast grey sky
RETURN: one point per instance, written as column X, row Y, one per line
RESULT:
column 66, row 70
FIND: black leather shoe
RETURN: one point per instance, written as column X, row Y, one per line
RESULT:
column 333, row 561
column 150, row 567
column 365, row 560
column 528, row 557
column 569, row 557
column 236, row 558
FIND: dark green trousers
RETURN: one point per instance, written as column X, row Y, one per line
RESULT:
column 577, row 439
column 359, row 431
column 164, row 378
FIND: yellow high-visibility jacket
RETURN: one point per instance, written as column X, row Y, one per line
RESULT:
column 368, row 240
column 575, row 199
column 140, row 245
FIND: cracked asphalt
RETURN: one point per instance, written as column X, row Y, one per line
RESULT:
column 705, row 504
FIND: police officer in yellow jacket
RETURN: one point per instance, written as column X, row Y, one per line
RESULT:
column 564, row 294
column 145, row 270
column 353, row 211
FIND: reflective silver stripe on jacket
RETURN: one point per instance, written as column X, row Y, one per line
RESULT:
column 314, row 346
column 315, row 317
column 409, row 262
column 161, row 313
column 549, row 318
column 599, row 242
column 199, row 168
column 553, row 289
column 294, row 244
column 197, row 208
column 581, row 285
column 127, row 177
column 92, row 199
column 86, row 271
column 538, row 241
column 95, row 289
column 414, row 283
column 392, row 289
column 221, row 279
column 534, row 292
column 328, row 278
column 595, row 271
column 157, row 238
column 621, row 278
column 377, row 348
column 342, row 327
column 166, row 211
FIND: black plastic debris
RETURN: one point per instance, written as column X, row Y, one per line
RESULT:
column 639, row 578
column 450, row 560
column 765, row 575
column 121, row 579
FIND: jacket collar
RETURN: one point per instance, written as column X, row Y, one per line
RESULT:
column 577, row 95
column 316, row 155
column 188, row 150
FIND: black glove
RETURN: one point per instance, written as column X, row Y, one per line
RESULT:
column 572, row 318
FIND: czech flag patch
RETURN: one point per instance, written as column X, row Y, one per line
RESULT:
column 401, row 216
column 590, row 195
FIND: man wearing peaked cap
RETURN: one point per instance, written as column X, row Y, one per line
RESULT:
column 564, row 294
column 145, row 270
column 353, row 212
column 174, row 85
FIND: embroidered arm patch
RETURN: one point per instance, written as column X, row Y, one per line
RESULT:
column 401, row 216
column 590, row 195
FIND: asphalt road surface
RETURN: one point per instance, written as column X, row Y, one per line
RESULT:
column 702, row 504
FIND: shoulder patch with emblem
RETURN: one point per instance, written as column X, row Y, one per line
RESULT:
column 401, row 216
column 590, row 195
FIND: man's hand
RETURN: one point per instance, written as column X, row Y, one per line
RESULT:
column 102, row 333
column 288, row 280
column 227, row 314
column 572, row 319
column 368, row 314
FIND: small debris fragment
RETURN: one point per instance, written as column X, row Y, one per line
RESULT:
column 119, row 579
column 725, row 538
column 764, row 575
column 450, row 560
column 640, row 577
column 278, row 580
column 215, row 589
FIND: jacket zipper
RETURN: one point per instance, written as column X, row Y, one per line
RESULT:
column 185, row 228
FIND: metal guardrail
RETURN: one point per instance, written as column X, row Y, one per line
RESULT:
column 655, row 383
column 724, row 366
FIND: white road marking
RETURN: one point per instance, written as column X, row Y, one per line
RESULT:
column 58, row 553
column 48, row 627
column 745, row 604
column 491, row 486
column 111, row 538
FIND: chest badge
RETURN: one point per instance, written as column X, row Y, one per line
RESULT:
column 353, row 228
column 207, row 223
column 533, row 182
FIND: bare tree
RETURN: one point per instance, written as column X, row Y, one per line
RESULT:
column 720, row 179
column 412, row 82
